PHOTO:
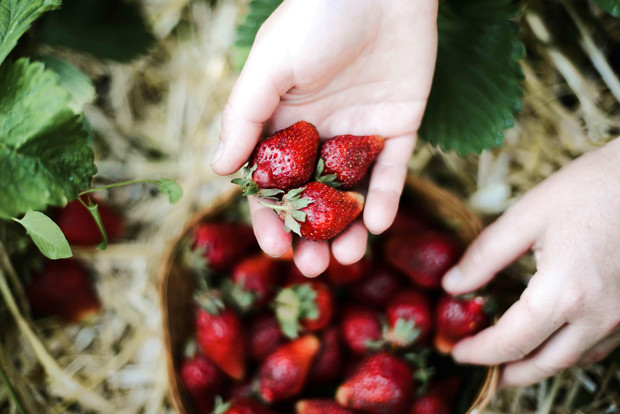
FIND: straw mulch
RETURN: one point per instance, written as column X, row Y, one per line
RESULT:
column 160, row 117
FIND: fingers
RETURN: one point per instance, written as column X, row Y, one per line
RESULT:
column 269, row 230
column 560, row 352
column 496, row 247
column 256, row 94
column 601, row 350
column 386, row 183
column 350, row 245
column 524, row 326
column 311, row 257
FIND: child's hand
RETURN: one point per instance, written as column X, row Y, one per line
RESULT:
column 348, row 67
column 569, row 313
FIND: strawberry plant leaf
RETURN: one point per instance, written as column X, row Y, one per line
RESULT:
column 476, row 87
column 108, row 29
column 258, row 12
column 171, row 188
column 44, row 154
column 610, row 6
column 72, row 79
column 16, row 16
column 46, row 235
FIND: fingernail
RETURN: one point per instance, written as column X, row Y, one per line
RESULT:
column 218, row 152
column 452, row 279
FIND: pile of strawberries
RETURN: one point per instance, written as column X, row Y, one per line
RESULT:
column 371, row 337
column 306, row 181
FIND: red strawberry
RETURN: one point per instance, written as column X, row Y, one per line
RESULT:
column 220, row 337
column 202, row 380
column 339, row 274
column 320, row 406
column 304, row 307
column 284, row 373
column 283, row 161
column 457, row 318
column 258, row 275
column 64, row 288
column 360, row 327
column 80, row 228
column 222, row 243
column 409, row 221
column 409, row 318
column 318, row 211
column 381, row 384
column 438, row 398
column 328, row 361
column 423, row 257
column 264, row 336
column 242, row 406
column 430, row 404
column 377, row 288
column 345, row 159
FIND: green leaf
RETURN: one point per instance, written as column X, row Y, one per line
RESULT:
column 172, row 189
column 46, row 235
column 108, row 29
column 476, row 87
column 44, row 154
column 610, row 6
column 16, row 16
column 73, row 80
column 259, row 11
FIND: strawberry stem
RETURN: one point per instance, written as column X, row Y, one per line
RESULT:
column 277, row 206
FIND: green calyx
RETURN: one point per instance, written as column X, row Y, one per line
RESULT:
column 292, row 304
column 329, row 179
column 210, row 301
column 238, row 296
column 289, row 209
column 403, row 334
column 249, row 186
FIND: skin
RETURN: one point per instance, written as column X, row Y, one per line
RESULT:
column 568, row 314
column 367, row 69
column 360, row 84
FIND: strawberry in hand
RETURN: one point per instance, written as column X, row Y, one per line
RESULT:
column 282, row 162
column 345, row 159
column 318, row 211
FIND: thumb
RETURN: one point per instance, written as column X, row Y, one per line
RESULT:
column 496, row 247
column 265, row 77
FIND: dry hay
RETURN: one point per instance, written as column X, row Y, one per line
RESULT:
column 159, row 117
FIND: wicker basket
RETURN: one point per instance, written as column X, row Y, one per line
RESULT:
column 177, row 287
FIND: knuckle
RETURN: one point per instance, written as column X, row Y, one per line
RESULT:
column 509, row 350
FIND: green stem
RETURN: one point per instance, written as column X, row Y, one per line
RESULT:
column 12, row 395
column 120, row 184
column 273, row 206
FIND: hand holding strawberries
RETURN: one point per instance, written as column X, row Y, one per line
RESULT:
column 334, row 65
column 569, row 311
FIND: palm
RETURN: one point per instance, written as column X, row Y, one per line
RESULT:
column 348, row 67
